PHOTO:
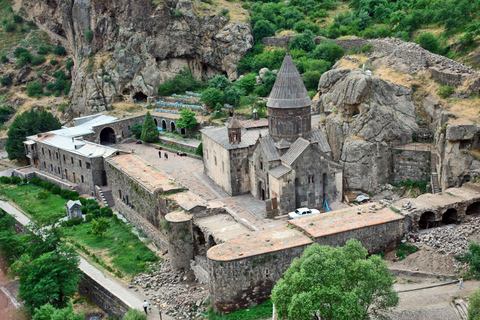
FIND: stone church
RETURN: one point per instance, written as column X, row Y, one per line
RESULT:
column 288, row 163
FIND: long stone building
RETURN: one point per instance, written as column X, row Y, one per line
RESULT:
column 288, row 163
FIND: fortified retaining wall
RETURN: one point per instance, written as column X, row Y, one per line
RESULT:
column 412, row 165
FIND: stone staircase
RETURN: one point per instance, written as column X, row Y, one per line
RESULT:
column 105, row 196
column 461, row 307
column 434, row 174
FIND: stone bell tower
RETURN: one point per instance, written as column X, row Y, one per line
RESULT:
column 234, row 131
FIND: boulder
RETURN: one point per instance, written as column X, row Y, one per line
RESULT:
column 22, row 74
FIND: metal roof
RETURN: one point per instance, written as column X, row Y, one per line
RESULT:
column 250, row 124
column 318, row 136
column 279, row 171
column 288, row 90
column 234, row 124
column 283, row 144
column 268, row 146
column 295, row 151
column 81, row 147
column 84, row 128
column 220, row 136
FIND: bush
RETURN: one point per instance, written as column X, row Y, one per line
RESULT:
column 134, row 314
column 106, row 212
column 44, row 50
column 37, row 60
column 35, row 181
column 445, row 91
column 136, row 130
column 6, row 81
column 10, row 27
column 4, row 59
column 69, row 64
column 17, row 18
column 16, row 180
column 18, row 51
column 429, row 42
column 199, row 150
column 89, row 35
column 43, row 195
column 88, row 217
column 5, row 180
column 53, row 62
column 224, row 11
column 182, row 82
column 34, row 89
column 59, row 51
column 367, row 48
column 72, row 222
column 55, row 190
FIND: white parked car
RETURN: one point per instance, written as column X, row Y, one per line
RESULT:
column 302, row 212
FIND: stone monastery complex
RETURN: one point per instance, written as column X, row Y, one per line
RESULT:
column 284, row 163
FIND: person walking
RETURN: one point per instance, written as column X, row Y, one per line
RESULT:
column 145, row 305
column 166, row 155
column 160, row 154
column 460, row 283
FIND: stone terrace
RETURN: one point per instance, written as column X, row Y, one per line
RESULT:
column 257, row 243
column 146, row 175
column 329, row 223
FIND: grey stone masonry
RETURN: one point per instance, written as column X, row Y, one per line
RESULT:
column 412, row 165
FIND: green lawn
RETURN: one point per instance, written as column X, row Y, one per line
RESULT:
column 128, row 254
column 44, row 211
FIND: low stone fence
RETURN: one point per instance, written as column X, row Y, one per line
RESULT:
column 44, row 177
column 175, row 144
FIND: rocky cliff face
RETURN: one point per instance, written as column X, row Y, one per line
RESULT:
column 365, row 116
column 136, row 45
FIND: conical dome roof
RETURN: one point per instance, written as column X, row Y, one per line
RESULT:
column 288, row 90
column 234, row 124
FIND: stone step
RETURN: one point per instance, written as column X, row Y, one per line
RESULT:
column 461, row 308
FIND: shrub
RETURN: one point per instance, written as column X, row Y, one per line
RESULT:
column 134, row 314
column 10, row 27
column 199, row 150
column 18, row 51
column 367, row 48
column 55, row 190
column 5, row 180
column 53, row 62
column 47, row 93
column 16, row 180
column 69, row 64
column 445, row 91
column 182, row 82
column 88, row 217
column 429, row 42
column 4, row 59
column 44, row 50
column 6, row 81
column 72, row 222
column 35, row 181
column 84, row 209
column 37, row 60
column 59, row 51
column 106, row 212
column 136, row 130
column 224, row 11
column 89, row 35
column 34, row 89
column 17, row 18
column 43, row 195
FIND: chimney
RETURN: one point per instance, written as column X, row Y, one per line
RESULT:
column 255, row 114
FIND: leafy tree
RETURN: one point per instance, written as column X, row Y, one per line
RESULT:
column 37, row 60
column 59, row 51
column 248, row 82
column 137, row 130
column 428, row 41
column 134, row 314
column 4, row 59
column 6, row 81
column 263, row 28
column 233, row 94
column 149, row 129
column 182, row 82
column 474, row 307
column 5, row 113
column 49, row 312
column 17, row 18
column 329, row 51
column 212, row 96
column 50, row 278
column 199, row 150
column 310, row 79
column 10, row 27
column 268, row 80
column 472, row 257
column 11, row 247
column 89, row 35
column 187, row 120
column 219, row 82
column 304, row 41
column 335, row 283
column 44, row 50
column 100, row 226
column 26, row 124
column 34, row 89
column 18, row 51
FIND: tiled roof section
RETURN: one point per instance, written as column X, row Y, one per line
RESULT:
column 220, row 135
column 268, row 146
column 295, row 151
column 288, row 90
column 338, row 221
column 279, row 171
column 259, row 242
column 234, row 124
column 147, row 176
column 283, row 144
column 251, row 124
column 318, row 136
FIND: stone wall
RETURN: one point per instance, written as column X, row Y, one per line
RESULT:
column 447, row 77
column 413, row 165
column 378, row 238
column 144, row 208
column 103, row 298
column 216, row 163
column 180, row 240
column 238, row 284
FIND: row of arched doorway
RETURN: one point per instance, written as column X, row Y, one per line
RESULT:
column 166, row 127
column 428, row 219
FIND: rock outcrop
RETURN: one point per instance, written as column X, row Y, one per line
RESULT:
column 137, row 45
column 366, row 115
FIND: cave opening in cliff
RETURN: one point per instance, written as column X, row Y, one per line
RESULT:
column 450, row 216
column 427, row 220
column 474, row 208
column 107, row 136
column 140, row 97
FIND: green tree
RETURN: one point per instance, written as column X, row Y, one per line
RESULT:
column 5, row 113
column 328, row 51
column 6, row 81
column 472, row 257
column 49, row 312
column 11, row 247
column 149, row 129
column 34, row 89
column 137, row 130
column 268, row 80
column 304, row 41
column 89, row 35
column 474, row 307
column 182, row 82
column 51, row 278
column 335, row 283
column 233, row 94
column 248, row 82
column 26, row 124
column 219, row 82
column 59, row 51
column 187, row 120
column 263, row 28
column 100, row 226
column 212, row 96
column 428, row 41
